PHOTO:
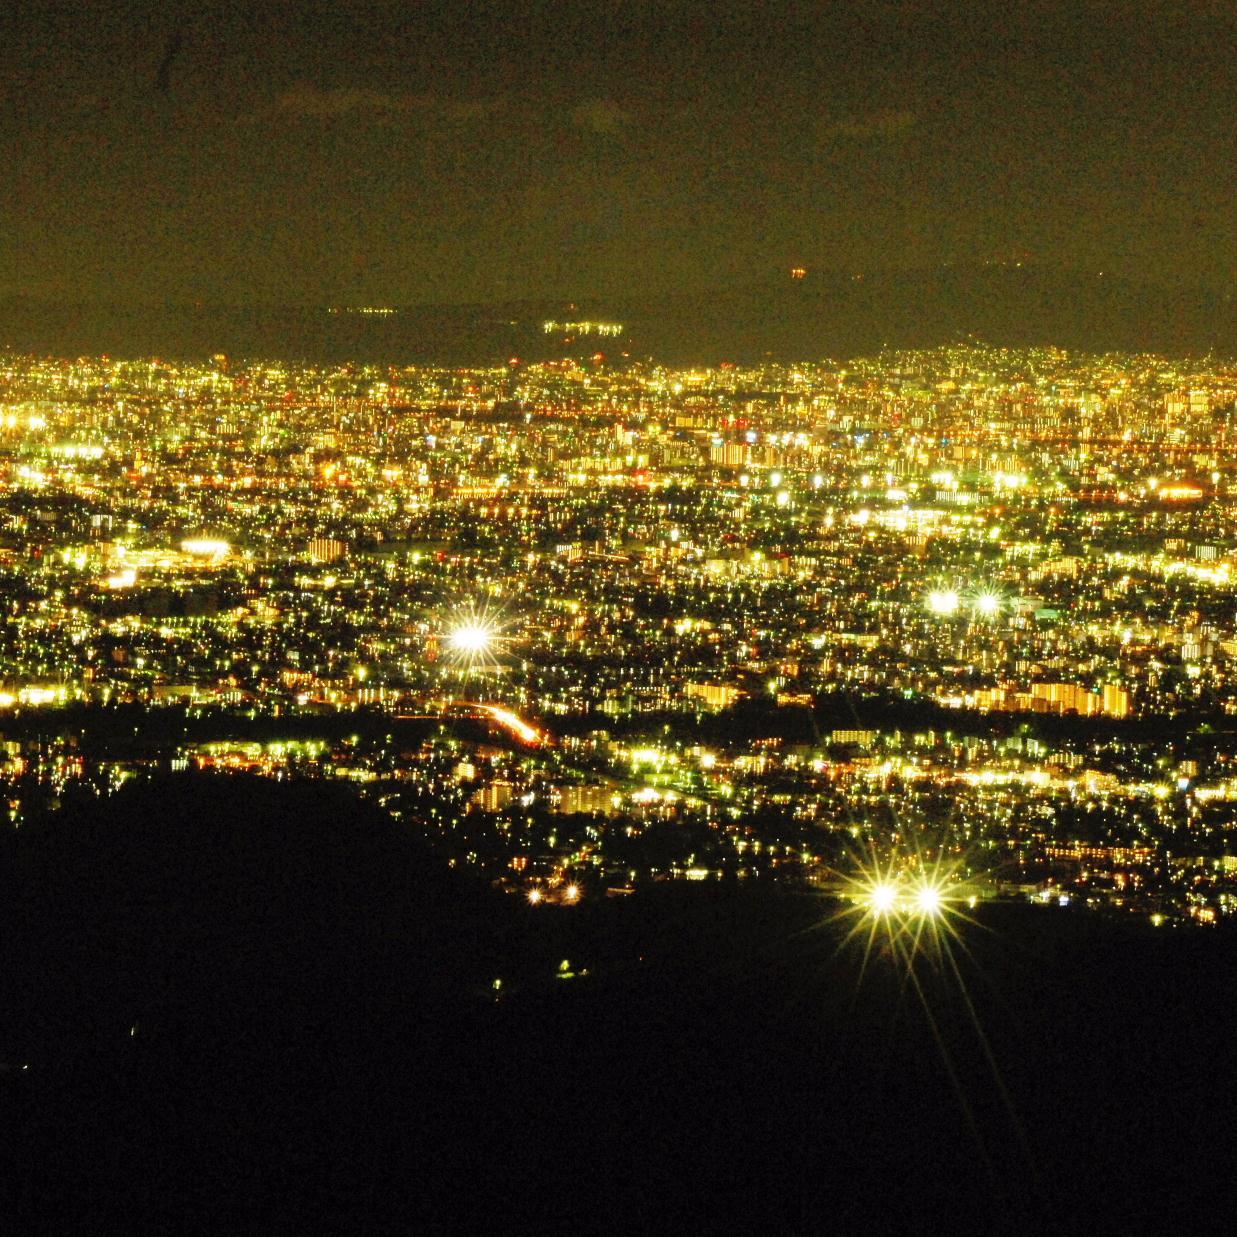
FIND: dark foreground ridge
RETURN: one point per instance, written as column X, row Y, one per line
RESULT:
column 235, row 1005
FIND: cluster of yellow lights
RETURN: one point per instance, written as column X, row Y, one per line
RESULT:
column 12, row 421
column 944, row 601
column 206, row 547
column 552, row 326
column 32, row 696
column 77, row 451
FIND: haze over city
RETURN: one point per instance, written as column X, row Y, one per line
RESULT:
column 386, row 153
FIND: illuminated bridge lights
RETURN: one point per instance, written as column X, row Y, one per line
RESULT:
column 505, row 719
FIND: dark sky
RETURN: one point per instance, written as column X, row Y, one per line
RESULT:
column 468, row 150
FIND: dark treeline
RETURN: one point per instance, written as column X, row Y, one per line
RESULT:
column 157, row 730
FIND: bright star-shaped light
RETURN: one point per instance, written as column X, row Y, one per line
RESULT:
column 474, row 638
column 987, row 604
column 907, row 905
column 903, row 908
column 883, row 898
column 470, row 639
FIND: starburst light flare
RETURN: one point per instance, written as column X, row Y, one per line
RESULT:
column 987, row 604
column 474, row 638
column 907, row 907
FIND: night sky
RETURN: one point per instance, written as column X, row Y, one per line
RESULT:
column 477, row 151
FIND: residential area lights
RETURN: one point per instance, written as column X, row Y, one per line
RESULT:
column 748, row 618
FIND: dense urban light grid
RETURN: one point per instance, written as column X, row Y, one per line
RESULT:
column 590, row 624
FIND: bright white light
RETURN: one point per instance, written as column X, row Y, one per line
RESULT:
column 943, row 601
column 534, row 896
column 471, row 638
column 474, row 638
column 903, row 907
column 205, row 547
column 988, row 604
column 571, row 893
column 883, row 897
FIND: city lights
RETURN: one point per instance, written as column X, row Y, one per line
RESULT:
column 563, row 606
column 206, row 547
column 610, row 329
column 618, row 617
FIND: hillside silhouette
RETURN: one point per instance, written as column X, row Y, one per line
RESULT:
column 827, row 314
column 235, row 1005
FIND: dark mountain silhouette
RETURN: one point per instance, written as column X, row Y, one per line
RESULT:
column 204, row 901
column 229, row 1005
column 823, row 315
